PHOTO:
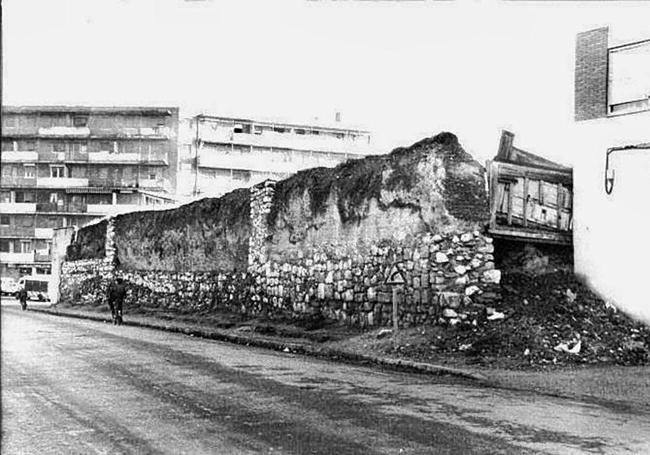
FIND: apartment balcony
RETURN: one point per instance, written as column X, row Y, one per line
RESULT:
column 312, row 142
column 113, row 209
column 19, row 131
column 61, row 182
column 19, row 157
column 127, row 158
column 160, row 133
column 62, row 157
column 150, row 183
column 11, row 181
column 17, row 231
column 116, row 183
column 117, row 209
column 17, row 258
column 42, row 256
column 50, row 207
column 43, row 233
column 277, row 162
column 64, row 131
column 17, row 207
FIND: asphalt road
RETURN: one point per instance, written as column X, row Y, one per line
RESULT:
column 73, row 386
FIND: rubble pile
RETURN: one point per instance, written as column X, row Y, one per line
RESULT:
column 541, row 320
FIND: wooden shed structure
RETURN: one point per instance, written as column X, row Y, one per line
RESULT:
column 531, row 198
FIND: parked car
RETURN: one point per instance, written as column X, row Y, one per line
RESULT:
column 9, row 286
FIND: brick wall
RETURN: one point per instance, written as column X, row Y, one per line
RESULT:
column 591, row 74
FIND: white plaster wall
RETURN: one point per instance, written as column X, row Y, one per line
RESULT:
column 612, row 232
column 60, row 241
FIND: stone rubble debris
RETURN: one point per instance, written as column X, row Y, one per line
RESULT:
column 384, row 333
column 571, row 348
column 541, row 329
column 496, row 316
column 570, row 296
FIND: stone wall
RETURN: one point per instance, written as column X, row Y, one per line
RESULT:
column 336, row 243
column 446, row 279
column 84, row 282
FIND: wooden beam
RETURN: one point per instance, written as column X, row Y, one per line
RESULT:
column 509, row 186
column 525, row 201
column 532, row 235
column 509, row 170
column 492, row 188
column 558, row 189
column 505, row 145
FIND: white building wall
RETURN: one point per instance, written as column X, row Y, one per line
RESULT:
column 612, row 232
column 236, row 154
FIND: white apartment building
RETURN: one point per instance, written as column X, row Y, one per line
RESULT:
column 219, row 154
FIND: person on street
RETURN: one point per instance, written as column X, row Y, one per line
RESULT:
column 22, row 298
column 116, row 296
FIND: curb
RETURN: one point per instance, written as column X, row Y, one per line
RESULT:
column 295, row 348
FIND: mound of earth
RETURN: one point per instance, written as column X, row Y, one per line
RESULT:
column 549, row 319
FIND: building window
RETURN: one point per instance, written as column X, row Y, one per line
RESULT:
column 5, row 220
column 242, row 128
column 25, row 196
column 58, row 147
column 257, row 129
column 43, row 270
column 25, row 246
column 241, row 175
column 27, row 146
column 152, row 201
column 30, row 171
column 629, row 78
column 10, row 121
column 4, row 246
column 80, row 120
column 54, row 198
column 27, row 221
column 278, row 129
column 57, row 171
column 78, row 147
column 300, row 131
column 7, row 146
column 25, row 270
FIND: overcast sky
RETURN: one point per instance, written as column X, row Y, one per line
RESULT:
column 403, row 70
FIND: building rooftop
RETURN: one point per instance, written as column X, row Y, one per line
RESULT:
column 319, row 124
column 143, row 110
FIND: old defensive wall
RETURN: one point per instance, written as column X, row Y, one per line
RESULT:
column 341, row 243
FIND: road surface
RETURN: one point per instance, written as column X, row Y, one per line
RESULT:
column 73, row 386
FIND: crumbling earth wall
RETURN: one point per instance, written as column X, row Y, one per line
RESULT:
column 332, row 243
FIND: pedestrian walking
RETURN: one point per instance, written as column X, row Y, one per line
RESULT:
column 22, row 298
column 116, row 296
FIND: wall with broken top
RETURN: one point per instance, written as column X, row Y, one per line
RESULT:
column 321, row 243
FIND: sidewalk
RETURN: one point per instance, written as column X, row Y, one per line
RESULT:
column 613, row 386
